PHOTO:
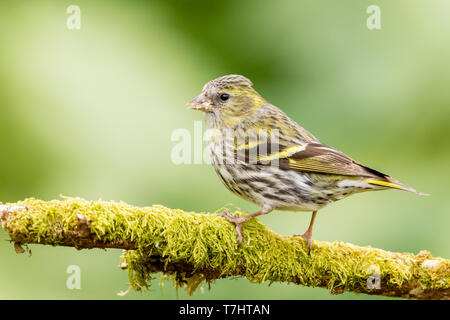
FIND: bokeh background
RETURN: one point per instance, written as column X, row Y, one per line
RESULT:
column 90, row 113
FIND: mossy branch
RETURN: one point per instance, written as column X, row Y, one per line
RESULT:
column 194, row 248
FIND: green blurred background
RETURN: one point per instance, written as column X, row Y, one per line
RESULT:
column 90, row 113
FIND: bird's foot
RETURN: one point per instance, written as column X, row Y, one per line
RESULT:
column 307, row 237
column 238, row 221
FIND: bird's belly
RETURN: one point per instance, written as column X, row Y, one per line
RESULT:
column 269, row 185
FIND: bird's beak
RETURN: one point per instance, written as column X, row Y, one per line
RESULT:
column 202, row 103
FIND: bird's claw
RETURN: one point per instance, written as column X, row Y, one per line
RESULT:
column 238, row 221
column 233, row 219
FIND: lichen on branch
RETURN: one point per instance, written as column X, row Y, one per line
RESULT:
column 194, row 248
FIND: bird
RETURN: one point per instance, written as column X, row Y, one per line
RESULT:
column 263, row 156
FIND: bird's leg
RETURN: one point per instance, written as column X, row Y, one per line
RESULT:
column 238, row 221
column 307, row 235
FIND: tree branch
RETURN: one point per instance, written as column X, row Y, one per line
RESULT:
column 195, row 248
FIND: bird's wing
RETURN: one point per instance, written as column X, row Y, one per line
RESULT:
column 298, row 150
column 320, row 158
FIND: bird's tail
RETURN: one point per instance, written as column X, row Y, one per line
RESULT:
column 392, row 183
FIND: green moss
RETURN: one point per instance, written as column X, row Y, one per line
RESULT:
column 193, row 248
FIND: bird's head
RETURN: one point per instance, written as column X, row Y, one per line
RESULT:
column 227, row 100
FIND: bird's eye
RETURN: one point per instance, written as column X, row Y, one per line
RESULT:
column 224, row 96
